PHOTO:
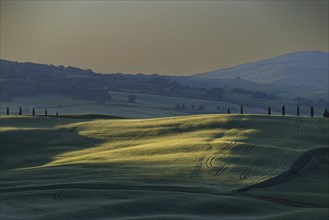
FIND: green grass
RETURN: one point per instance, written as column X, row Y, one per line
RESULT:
column 151, row 106
column 314, row 186
column 146, row 106
column 170, row 168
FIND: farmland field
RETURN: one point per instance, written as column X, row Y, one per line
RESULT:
column 186, row 167
column 147, row 106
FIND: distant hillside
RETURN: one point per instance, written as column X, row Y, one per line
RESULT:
column 293, row 69
column 23, row 84
column 30, row 79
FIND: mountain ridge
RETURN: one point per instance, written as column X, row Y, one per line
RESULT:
column 291, row 69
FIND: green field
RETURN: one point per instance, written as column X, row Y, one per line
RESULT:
column 187, row 167
column 148, row 106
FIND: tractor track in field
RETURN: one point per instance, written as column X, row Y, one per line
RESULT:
column 283, row 162
column 197, row 167
column 198, row 162
column 301, row 167
column 259, row 160
column 297, row 125
column 7, row 203
column 15, row 206
column 307, row 166
column 322, row 128
column 233, row 160
column 57, row 196
column 216, row 154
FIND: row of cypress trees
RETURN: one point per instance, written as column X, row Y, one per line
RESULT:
column 269, row 111
column 33, row 112
column 298, row 111
column 326, row 114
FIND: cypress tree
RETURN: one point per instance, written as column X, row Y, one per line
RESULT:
column 46, row 112
column 283, row 110
column 20, row 111
column 269, row 110
column 241, row 109
column 33, row 112
column 312, row 111
column 297, row 110
column 326, row 113
column 56, row 114
column 7, row 110
column 228, row 111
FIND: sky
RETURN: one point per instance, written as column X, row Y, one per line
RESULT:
column 163, row 37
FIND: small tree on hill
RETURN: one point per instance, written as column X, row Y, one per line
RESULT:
column 241, row 109
column 46, row 112
column 56, row 114
column 326, row 113
column 7, row 110
column 283, row 110
column 312, row 111
column 20, row 111
column 33, row 112
column 269, row 110
column 228, row 111
column 297, row 110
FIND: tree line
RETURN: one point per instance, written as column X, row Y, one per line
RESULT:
column 20, row 112
column 132, row 98
column 283, row 111
column 182, row 107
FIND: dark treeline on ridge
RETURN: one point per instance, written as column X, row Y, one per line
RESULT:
column 25, row 79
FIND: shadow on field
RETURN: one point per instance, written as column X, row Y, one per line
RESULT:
column 34, row 147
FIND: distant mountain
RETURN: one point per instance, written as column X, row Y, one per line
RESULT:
column 293, row 69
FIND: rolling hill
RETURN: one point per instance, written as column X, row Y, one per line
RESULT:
column 293, row 69
column 187, row 167
column 71, row 90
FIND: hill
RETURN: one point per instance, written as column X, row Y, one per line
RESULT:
column 189, row 167
column 70, row 90
column 293, row 69
column 30, row 79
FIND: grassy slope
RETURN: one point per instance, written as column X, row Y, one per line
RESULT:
column 146, row 106
column 314, row 186
column 176, row 167
column 282, row 91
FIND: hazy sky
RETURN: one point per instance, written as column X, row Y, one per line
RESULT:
column 165, row 37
